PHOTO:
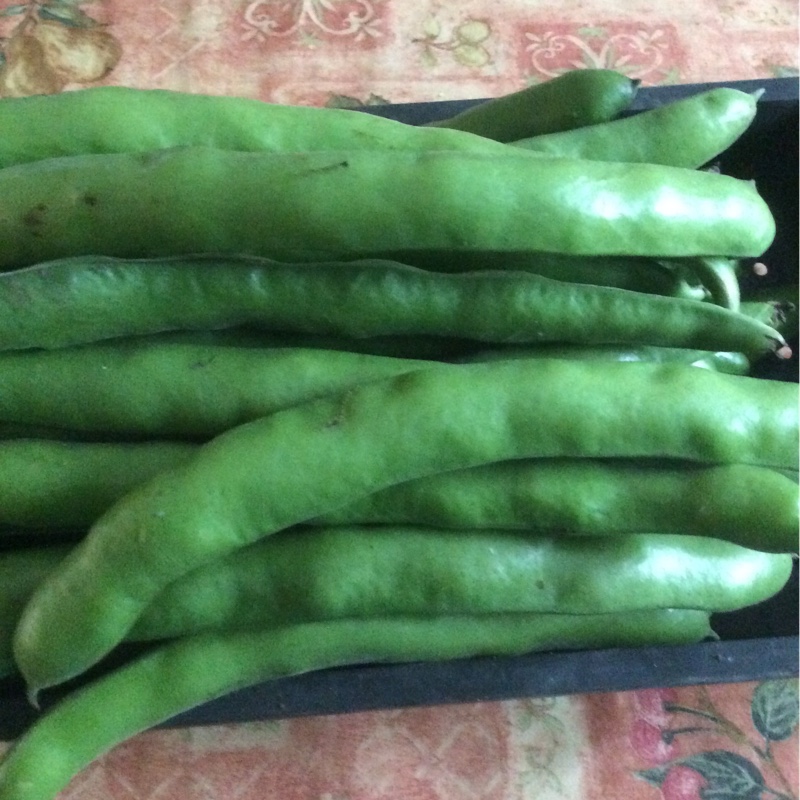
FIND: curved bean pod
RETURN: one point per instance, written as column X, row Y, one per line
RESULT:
column 720, row 361
column 151, row 389
column 80, row 300
column 195, row 387
column 418, row 571
column 49, row 488
column 576, row 98
column 638, row 274
column 394, row 571
column 297, row 464
column 344, row 205
column 122, row 119
column 21, row 571
column 684, row 133
column 55, row 484
column 752, row 506
column 62, row 478
column 179, row 676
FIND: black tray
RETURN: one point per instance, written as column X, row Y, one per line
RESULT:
column 758, row 643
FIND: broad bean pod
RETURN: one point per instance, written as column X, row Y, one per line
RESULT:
column 684, row 133
column 178, row 676
column 192, row 387
column 54, row 484
column 21, row 571
column 639, row 274
column 122, row 119
column 435, row 348
column 149, row 389
column 344, row 205
column 270, row 474
column 719, row 361
column 752, row 506
column 572, row 100
column 397, row 570
column 83, row 300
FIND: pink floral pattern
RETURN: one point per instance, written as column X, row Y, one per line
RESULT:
column 694, row 743
column 316, row 52
column 652, row 55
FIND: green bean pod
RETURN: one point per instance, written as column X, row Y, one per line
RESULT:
column 392, row 571
column 171, row 388
column 55, row 484
column 719, row 361
column 122, row 119
column 752, row 506
column 720, row 277
column 684, row 133
column 82, row 300
column 398, row 570
column 143, row 389
column 270, row 474
column 61, row 478
column 21, row 571
column 638, row 274
column 188, row 672
column 576, row 98
column 344, row 205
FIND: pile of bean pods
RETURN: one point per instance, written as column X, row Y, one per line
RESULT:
column 291, row 388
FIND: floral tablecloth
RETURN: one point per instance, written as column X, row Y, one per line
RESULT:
column 728, row 742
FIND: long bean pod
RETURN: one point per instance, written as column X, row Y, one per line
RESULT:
column 177, row 388
column 685, row 133
column 148, row 389
column 267, row 475
column 572, row 100
column 392, row 571
column 80, row 300
column 753, row 506
column 54, row 484
column 344, row 205
column 50, row 488
column 124, row 119
column 395, row 571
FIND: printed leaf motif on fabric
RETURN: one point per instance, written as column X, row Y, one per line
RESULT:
column 347, row 101
column 465, row 43
column 775, row 709
column 357, row 19
column 720, row 773
column 647, row 54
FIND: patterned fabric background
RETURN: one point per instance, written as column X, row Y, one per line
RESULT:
column 735, row 742
column 334, row 52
